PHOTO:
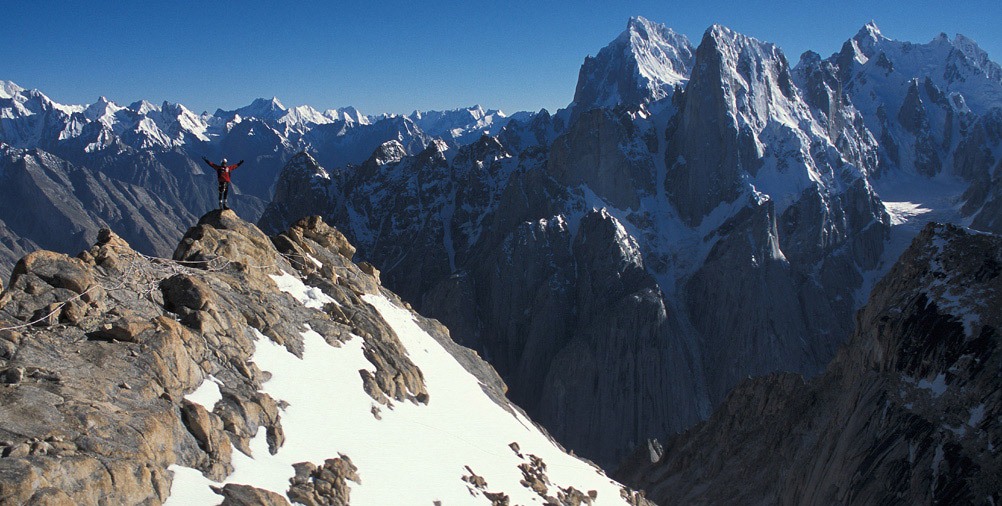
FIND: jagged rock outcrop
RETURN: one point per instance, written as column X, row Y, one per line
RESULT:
column 907, row 413
column 139, row 380
column 304, row 189
column 786, row 258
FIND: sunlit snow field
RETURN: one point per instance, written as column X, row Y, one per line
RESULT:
column 415, row 454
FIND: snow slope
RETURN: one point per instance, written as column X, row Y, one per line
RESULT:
column 408, row 454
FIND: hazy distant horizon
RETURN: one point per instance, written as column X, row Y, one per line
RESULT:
column 397, row 57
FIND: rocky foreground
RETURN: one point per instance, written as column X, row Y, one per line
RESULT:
column 127, row 379
column 909, row 412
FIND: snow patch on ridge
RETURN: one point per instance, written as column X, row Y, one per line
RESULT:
column 207, row 394
column 308, row 296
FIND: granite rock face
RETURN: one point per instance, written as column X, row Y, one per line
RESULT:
column 100, row 406
column 598, row 150
column 907, row 413
column 306, row 187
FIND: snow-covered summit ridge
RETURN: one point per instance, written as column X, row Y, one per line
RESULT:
column 663, row 56
column 742, row 91
column 260, row 108
column 463, row 125
column 8, row 89
column 641, row 66
column 953, row 66
column 757, row 76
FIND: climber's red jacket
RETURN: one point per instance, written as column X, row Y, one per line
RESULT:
column 223, row 171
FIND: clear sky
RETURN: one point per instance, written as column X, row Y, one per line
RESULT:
column 400, row 55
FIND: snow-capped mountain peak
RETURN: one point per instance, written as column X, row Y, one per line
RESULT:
column 977, row 57
column 143, row 107
column 102, row 110
column 348, row 114
column 463, row 125
column 8, row 89
column 868, row 37
column 302, row 116
column 662, row 55
column 643, row 65
column 261, row 108
column 757, row 74
column 391, row 151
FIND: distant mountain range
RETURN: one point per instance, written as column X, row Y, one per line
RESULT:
column 94, row 152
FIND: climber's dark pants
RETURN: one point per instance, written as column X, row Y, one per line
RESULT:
column 224, row 188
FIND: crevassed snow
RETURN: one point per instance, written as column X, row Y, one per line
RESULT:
column 207, row 394
column 415, row 454
column 308, row 296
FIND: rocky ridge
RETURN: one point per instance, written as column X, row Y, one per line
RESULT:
column 907, row 413
column 136, row 379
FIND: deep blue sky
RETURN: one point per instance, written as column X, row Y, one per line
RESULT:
column 397, row 56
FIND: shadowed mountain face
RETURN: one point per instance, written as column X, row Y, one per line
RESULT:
column 907, row 413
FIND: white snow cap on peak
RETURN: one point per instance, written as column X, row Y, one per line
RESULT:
column 871, row 29
column 661, row 53
column 437, row 146
column 143, row 107
column 102, row 108
column 721, row 33
column 304, row 161
column 978, row 57
column 868, row 37
column 274, row 103
column 642, row 65
column 391, row 151
column 263, row 108
column 639, row 26
column 349, row 114
column 8, row 89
